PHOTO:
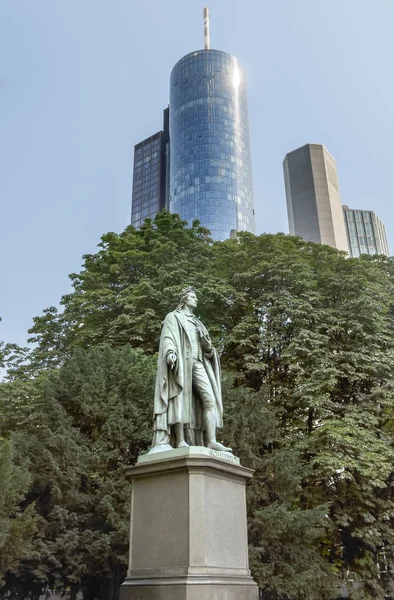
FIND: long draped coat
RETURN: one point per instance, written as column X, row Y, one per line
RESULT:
column 175, row 401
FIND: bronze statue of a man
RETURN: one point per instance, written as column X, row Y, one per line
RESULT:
column 188, row 399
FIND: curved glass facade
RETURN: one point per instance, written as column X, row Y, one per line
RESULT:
column 211, row 172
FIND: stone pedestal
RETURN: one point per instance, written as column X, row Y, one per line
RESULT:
column 188, row 538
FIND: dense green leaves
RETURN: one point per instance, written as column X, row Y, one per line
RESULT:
column 126, row 289
column 91, row 418
column 306, row 337
column 17, row 524
column 285, row 537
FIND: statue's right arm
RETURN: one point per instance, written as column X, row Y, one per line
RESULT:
column 169, row 332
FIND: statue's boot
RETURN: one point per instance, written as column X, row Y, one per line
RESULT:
column 210, row 429
column 182, row 444
column 218, row 446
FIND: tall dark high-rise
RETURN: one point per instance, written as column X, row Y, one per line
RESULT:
column 151, row 175
column 210, row 171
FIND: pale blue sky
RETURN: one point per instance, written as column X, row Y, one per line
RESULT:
column 82, row 81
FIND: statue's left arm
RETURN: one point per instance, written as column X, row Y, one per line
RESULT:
column 206, row 343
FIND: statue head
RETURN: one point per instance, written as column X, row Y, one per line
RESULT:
column 188, row 298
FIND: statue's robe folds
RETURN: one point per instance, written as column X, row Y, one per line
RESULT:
column 175, row 401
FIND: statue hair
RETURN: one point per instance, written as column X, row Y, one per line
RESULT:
column 183, row 295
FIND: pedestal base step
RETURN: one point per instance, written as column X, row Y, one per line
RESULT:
column 190, row 588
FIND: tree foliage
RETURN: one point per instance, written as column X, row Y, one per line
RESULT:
column 17, row 524
column 285, row 537
column 91, row 418
column 306, row 337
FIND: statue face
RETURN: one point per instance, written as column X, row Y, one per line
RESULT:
column 191, row 300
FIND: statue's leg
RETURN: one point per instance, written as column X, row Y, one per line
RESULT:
column 204, row 390
column 199, row 437
column 179, row 436
column 190, row 436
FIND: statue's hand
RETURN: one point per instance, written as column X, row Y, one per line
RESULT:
column 206, row 343
column 171, row 359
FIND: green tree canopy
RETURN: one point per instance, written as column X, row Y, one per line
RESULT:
column 17, row 524
column 306, row 337
column 88, row 420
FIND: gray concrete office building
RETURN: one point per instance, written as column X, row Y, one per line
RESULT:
column 366, row 233
column 313, row 200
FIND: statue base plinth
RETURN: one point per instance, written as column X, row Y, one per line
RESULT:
column 189, row 589
column 188, row 536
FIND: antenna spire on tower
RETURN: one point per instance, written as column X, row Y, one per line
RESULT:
column 207, row 38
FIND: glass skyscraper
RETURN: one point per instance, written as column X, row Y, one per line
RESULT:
column 366, row 233
column 211, row 172
column 201, row 161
